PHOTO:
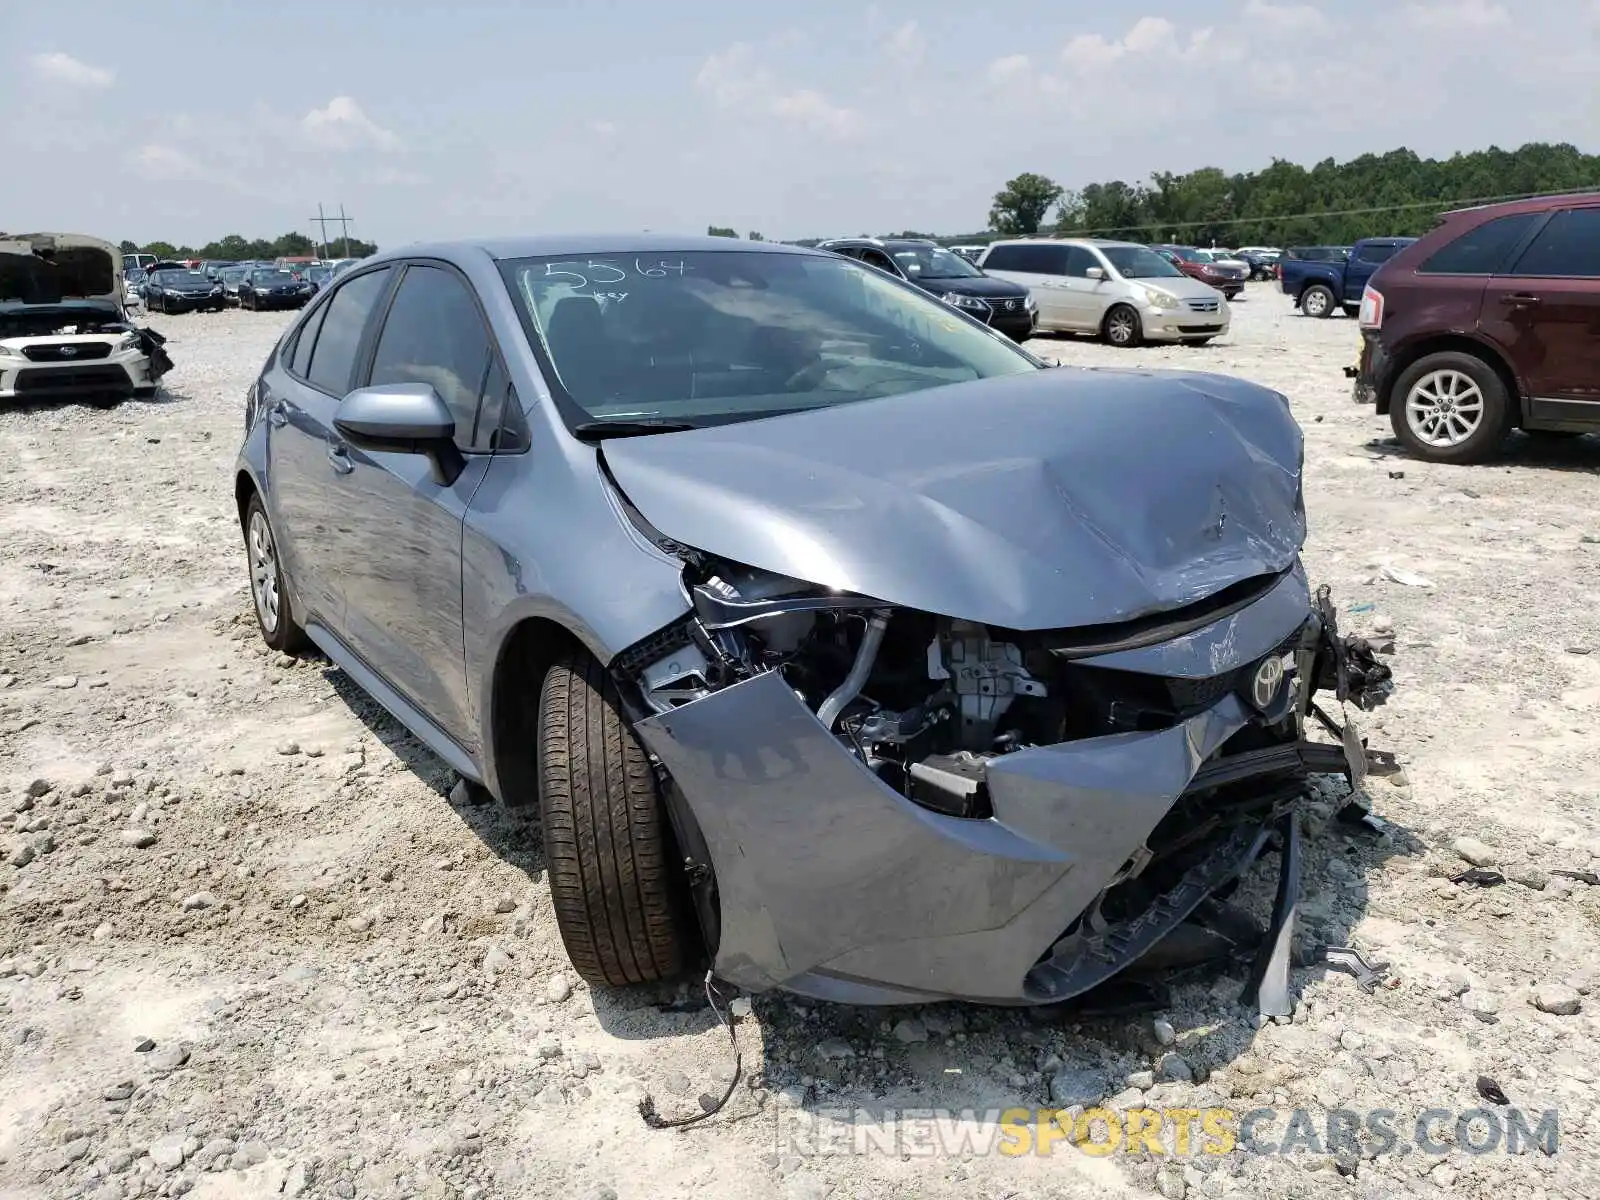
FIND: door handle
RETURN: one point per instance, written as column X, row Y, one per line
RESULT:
column 277, row 414
column 339, row 459
column 1523, row 300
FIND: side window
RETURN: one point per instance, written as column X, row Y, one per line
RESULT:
column 1376, row 254
column 1481, row 250
column 1006, row 258
column 874, row 258
column 434, row 334
column 333, row 358
column 1568, row 247
column 300, row 358
column 501, row 426
column 1079, row 261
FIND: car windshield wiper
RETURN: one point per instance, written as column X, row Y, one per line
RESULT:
column 639, row 427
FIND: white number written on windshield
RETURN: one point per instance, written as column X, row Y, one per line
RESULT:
column 582, row 273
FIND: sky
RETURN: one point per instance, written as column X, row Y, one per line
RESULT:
column 184, row 120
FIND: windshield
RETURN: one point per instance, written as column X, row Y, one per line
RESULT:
column 933, row 262
column 1139, row 262
column 707, row 337
column 319, row 274
column 272, row 277
column 183, row 278
column 234, row 274
column 134, row 275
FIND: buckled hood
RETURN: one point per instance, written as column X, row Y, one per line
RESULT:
column 1052, row 499
column 47, row 268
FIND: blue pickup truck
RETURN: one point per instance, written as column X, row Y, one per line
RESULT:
column 1320, row 287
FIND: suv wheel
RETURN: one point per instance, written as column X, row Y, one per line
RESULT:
column 1121, row 327
column 1317, row 301
column 1450, row 407
column 274, row 611
column 607, row 847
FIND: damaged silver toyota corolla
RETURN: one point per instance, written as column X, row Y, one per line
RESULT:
column 860, row 652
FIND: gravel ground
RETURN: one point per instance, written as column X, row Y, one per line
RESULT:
column 252, row 947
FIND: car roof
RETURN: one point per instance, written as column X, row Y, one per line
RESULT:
column 614, row 243
column 1535, row 204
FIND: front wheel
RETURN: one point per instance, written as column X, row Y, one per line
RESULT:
column 268, row 589
column 1317, row 301
column 1121, row 327
column 1451, row 408
column 607, row 846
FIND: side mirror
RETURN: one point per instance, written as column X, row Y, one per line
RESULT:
column 403, row 418
column 1096, row 273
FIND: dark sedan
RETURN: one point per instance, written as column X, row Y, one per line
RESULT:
column 274, row 289
column 182, row 291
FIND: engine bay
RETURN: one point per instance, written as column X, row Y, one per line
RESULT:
column 924, row 702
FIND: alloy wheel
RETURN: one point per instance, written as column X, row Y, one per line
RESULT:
column 264, row 571
column 1315, row 303
column 1120, row 327
column 1444, row 408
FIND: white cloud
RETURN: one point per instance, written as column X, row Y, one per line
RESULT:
column 1147, row 37
column 63, row 68
column 156, row 160
column 817, row 113
column 906, row 45
column 1452, row 16
column 605, row 129
column 341, row 125
column 1285, row 18
column 738, row 81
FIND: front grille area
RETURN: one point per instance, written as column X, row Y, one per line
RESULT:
column 67, row 351
column 1202, row 305
column 80, row 380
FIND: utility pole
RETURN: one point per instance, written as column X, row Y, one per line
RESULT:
column 342, row 221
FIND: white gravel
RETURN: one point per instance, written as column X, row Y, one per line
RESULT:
column 355, row 988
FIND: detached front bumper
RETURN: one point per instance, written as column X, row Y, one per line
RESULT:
column 834, row 885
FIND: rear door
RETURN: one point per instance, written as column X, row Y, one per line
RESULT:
column 401, row 551
column 1039, row 267
column 306, row 486
column 1545, row 310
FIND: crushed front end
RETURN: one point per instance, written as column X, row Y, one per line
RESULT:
column 880, row 805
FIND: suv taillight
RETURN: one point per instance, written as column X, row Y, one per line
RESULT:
column 1371, row 315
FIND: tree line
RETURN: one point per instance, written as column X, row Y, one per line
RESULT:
column 1396, row 194
column 235, row 248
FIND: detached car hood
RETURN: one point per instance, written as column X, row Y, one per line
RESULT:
column 1053, row 499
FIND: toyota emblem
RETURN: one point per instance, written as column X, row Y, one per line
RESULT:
column 69, row 352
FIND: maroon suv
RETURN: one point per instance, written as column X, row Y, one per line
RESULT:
column 1491, row 321
column 1227, row 278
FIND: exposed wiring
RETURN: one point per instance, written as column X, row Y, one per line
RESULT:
column 647, row 1106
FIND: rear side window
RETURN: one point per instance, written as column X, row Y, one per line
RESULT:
column 1035, row 260
column 1568, row 247
column 333, row 358
column 435, row 335
column 1376, row 253
column 306, row 339
column 1481, row 250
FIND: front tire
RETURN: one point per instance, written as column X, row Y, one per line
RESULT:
column 268, row 588
column 1317, row 301
column 607, row 845
column 1122, row 328
column 1450, row 408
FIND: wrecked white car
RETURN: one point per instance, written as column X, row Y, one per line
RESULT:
column 64, row 327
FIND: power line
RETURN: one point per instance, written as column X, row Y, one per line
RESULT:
column 1441, row 205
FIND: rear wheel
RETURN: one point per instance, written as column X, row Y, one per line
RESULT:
column 1317, row 301
column 1450, row 407
column 268, row 589
column 1122, row 327
column 608, row 850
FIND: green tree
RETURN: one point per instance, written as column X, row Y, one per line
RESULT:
column 721, row 231
column 753, row 236
column 128, row 247
column 1020, row 206
column 163, row 250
